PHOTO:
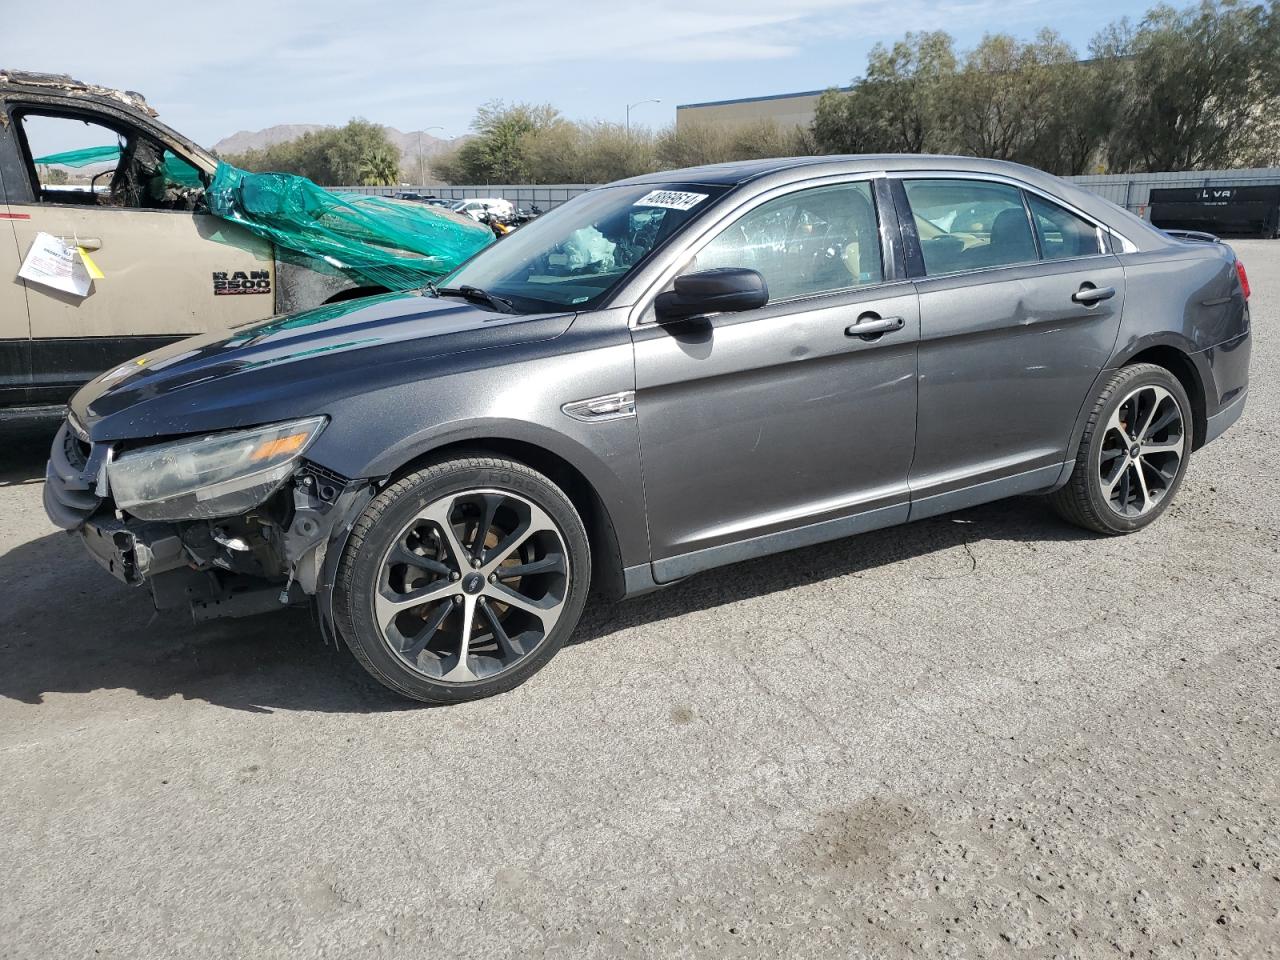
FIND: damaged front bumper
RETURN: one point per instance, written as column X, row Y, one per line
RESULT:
column 133, row 552
column 281, row 553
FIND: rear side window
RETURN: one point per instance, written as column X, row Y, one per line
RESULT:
column 970, row 224
column 1062, row 233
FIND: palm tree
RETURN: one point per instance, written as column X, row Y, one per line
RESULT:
column 380, row 167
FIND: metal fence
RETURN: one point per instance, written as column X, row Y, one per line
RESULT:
column 1132, row 191
column 523, row 196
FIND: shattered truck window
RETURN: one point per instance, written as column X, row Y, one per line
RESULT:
column 176, row 171
column 74, row 159
column 120, row 170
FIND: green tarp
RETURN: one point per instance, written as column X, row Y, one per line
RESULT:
column 81, row 158
column 395, row 244
column 176, row 170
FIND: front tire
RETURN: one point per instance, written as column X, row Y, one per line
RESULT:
column 462, row 579
column 1133, row 455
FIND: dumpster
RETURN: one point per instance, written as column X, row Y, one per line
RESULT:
column 1218, row 210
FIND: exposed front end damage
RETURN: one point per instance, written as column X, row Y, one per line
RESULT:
column 280, row 553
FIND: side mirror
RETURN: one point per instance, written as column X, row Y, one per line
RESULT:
column 721, row 290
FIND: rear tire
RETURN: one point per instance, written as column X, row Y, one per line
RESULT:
column 462, row 579
column 1133, row 455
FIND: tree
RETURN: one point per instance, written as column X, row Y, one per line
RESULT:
column 1200, row 81
column 358, row 154
column 695, row 144
column 895, row 107
column 380, row 167
column 1186, row 89
column 906, row 80
column 1002, row 102
column 566, row 152
column 692, row 145
column 498, row 151
column 53, row 175
column 1084, row 106
column 535, row 144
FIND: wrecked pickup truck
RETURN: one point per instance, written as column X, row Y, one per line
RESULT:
column 180, row 243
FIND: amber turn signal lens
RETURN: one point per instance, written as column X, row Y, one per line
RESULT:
column 279, row 447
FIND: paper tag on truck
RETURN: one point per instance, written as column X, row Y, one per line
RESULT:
column 55, row 263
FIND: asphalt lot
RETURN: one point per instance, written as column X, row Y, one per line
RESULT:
column 987, row 734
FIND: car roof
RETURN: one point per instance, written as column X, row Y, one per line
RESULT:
column 780, row 170
column 59, row 86
column 28, row 81
column 741, row 171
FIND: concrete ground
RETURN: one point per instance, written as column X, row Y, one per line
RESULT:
column 987, row 734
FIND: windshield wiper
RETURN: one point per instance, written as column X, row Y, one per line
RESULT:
column 468, row 292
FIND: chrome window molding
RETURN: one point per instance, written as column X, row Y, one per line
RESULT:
column 1126, row 244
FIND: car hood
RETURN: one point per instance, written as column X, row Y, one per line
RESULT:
column 294, row 365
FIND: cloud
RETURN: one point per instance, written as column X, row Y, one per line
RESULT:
column 251, row 63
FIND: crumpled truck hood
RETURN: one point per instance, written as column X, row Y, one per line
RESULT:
column 293, row 366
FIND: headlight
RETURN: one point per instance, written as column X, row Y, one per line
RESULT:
column 215, row 476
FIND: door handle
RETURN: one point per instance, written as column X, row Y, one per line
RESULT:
column 872, row 325
column 1088, row 294
column 89, row 243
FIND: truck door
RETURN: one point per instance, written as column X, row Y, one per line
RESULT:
column 15, row 327
column 168, row 271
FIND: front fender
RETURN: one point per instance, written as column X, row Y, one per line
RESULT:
column 609, row 463
column 374, row 434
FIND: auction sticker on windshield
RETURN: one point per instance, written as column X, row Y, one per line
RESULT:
column 671, row 199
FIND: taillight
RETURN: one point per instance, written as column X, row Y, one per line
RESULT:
column 1244, row 278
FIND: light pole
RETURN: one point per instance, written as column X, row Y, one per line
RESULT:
column 421, row 175
column 636, row 104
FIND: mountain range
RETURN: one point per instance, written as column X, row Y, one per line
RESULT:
column 407, row 142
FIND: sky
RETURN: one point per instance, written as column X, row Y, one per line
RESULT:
column 250, row 65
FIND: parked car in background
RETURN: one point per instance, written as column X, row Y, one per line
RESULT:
column 661, row 376
column 477, row 207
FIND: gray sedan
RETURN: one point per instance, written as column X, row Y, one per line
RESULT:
column 664, row 375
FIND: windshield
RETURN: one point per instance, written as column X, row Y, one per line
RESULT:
column 573, row 256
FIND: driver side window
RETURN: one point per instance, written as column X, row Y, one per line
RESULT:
column 78, row 161
column 809, row 242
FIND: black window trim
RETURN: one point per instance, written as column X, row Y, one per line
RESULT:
column 1031, row 225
